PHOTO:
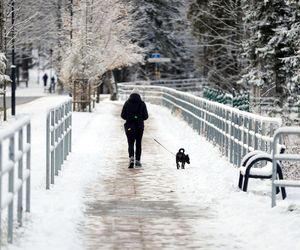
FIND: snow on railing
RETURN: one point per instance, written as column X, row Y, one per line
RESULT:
column 15, row 156
column 58, row 139
column 235, row 132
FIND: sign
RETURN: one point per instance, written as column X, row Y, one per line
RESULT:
column 159, row 60
column 155, row 55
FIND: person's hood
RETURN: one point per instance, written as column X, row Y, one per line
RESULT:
column 134, row 97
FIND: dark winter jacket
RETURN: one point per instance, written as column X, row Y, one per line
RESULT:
column 134, row 111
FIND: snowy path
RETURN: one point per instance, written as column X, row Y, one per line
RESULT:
column 97, row 203
column 139, row 209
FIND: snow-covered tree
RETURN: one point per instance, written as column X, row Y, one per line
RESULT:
column 100, row 42
column 272, row 45
column 36, row 27
column 2, row 25
column 162, row 26
column 219, row 28
column 4, row 79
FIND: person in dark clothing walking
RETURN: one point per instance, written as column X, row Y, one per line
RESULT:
column 45, row 79
column 135, row 113
column 52, row 85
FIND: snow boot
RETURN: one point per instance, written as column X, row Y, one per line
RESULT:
column 138, row 164
column 131, row 162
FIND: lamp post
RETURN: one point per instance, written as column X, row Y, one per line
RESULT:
column 13, row 66
column 51, row 53
column 71, row 20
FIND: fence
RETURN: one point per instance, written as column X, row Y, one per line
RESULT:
column 58, row 139
column 15, row 149
column 284, row 131
column 190, row 84
column 235, row 132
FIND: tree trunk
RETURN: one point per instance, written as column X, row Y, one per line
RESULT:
column 2, row 23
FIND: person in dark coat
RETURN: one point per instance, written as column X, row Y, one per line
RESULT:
column 52, row 85
column 45, row 79
column 135, row 113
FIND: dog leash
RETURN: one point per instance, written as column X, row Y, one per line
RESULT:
column 162, row 146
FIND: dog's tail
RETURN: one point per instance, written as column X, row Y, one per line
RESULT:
column 182, row 150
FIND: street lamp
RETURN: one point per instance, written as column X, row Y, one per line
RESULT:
column 71, row 21
column 13, row 66
column 51, row 53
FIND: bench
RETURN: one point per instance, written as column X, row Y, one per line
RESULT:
column 249, row 169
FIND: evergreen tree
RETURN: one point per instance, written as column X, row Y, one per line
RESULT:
column 162, row 25
column 272, row 45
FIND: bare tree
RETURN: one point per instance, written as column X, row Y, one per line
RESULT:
column 99, row 42
column 219, row 28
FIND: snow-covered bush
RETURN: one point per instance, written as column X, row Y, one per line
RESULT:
column 4, row 79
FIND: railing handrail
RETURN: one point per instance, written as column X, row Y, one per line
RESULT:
column 151, row 82
column 19, row 144
column 20, row 122
column 58, row 138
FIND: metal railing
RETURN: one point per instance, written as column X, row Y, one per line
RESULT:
column 279, row 133
column 58, row 139
column 235, row 132
column 180, row 84
column 15, row 156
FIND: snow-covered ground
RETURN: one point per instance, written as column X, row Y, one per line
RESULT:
column 240, row 220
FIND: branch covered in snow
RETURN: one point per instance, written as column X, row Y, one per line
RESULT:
column 99, row 40
column 4, row 79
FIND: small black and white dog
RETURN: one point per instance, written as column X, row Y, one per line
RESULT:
column 183, row 158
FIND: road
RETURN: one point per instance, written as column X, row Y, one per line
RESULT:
column 19, row 100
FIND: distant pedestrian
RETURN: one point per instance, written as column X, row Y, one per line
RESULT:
column 45, row 79
column 134, row 112
column 52, row 84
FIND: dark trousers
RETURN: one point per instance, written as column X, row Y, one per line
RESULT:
column 136, row 138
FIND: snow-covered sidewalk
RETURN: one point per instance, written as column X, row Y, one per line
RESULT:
column 97, row 203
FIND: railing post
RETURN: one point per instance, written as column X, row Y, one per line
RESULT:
column 262, row 142
column 20, row 177
column 245, row 135
column 55, row 142
column 48, row 151
column 11, row 177
column 227, row 131
column 235, row 136
column 256, row 130
column 231, row 137
column 52, row 141
column 28, row 167
column 239, row 151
